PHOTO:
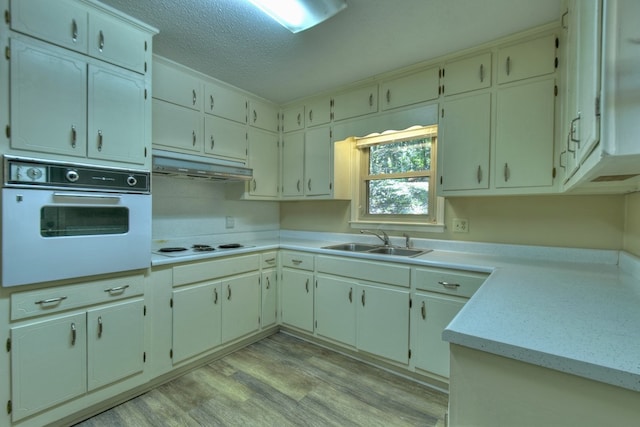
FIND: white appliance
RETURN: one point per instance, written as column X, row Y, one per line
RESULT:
column 63, row 221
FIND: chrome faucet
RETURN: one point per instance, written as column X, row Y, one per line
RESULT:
column 407, row 240
column 384, row 237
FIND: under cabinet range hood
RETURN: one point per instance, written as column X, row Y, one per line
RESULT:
column 192, row 166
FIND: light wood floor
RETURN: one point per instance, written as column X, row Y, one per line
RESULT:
column 282, row 381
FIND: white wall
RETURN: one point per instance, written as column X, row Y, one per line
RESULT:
column 186, row 207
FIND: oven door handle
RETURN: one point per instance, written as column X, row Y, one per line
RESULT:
column 87, row 196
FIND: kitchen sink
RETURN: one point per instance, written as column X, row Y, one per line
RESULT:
column 377, row 249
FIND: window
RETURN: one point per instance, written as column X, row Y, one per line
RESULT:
column 397, row 177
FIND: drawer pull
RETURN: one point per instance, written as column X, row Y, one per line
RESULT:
column 270, row 260
column 100, row 327
column 117, row 289
column 296, row 261
column 423, row 311
column 51, row 300
column 449, row 285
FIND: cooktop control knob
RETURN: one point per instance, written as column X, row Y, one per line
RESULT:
column 72, row 175
column 131, row 180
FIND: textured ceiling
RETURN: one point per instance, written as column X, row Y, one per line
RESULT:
column 233, row 41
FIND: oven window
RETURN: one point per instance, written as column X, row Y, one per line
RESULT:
column 59, row 221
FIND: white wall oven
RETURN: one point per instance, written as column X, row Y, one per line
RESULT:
column 63, row 220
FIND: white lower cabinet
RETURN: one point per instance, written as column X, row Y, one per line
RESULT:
column 269, row 282
column 240, row 306
column 297, row 299
column 335, row 308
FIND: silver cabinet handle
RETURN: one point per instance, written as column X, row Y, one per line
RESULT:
column 74, row 136
column 73, row 333
column 362, row 298
column 101, row 41
column 306, row 285
column 211, row 100
column 350, row 295
column 100, row 327
column 228, row 292
column 51, row 300
column 99, row 140
column 370, row 100
column 481, row 73
column 268, row 283
column 255, row 185
column 193, row 137
column 296, row 261
column 215, row 295
column 388, row 96
column 255, row 116
column 117, row 289
column 449, row 285
column 507, row 173
column 479, row 174
column 213, row 142
column 508, row 65
column 423, row 311
column 270, row 260
column 309, row 184
column 298, row 185
column 311, row 116
column 195, row 97
column 74, row 30
column 299, row 119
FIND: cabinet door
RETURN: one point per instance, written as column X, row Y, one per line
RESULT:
column 464, row 145
column 467, row 74
column 525, row 135
column 118, row 42
column 318, row 112
column 293, row 119
column 335, row 309
column 297, row 299
column 116, row 116
column 225, row 138
column 432, row 315
column 196, row 320
column 263, row 116
column 317, row 162
column 269, row 285
column 355, row 103
column 115, row 342
column 176, row 86
column 66, row 24
column 224, row 102
column 263, row 159
column 240, row 306
column 383, row 322
column 417, row 87
column 528, row 59
column 51, row 87
column 293, row 164
column 176, row 127
column 48, row 363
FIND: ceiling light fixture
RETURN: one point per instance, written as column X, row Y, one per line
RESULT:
column 299, row 15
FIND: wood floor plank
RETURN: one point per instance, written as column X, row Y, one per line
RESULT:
column 282, row 381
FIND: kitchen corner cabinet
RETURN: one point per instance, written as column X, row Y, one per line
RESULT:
column 101, row 110
column 356, row 102
column 293, row 118
column 263, row 159
column 413, row 88
column 296, row 286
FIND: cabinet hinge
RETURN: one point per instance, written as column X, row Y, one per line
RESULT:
column 9, row 407
column 410, row 303
column 330, row 133
column 7, row 17
column 555, row 90
column 144, row 357
column 442, row 113
column 145, row 151
column 557, row 42
column 258, row 320
column 409, row 353
column 7, row 52
column 556, row 62
column 8, row 345
column 443, row 89
column 146, row 47
column 171, row 303
column 331, row 102
column 331, row 186
column 597, row 106
column 145, row 66
column 553, row 173
column 144, row 310
column 315, row 324
column 440, row 179
column 171, row 353
column 145, row 94
column 7, row 131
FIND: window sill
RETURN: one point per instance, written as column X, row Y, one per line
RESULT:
column 398, row 226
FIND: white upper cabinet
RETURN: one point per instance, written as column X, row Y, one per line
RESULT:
column 467, row 74
column 417, row 87
column 529, row 59
column 263, row 115
column 174, row 85
column 177, row 127
column 318, row 111
column 263, row 159
column 65, row 25
column 225, row 138
column 224, row 102
column 356, row 102
column 293, row 164
column 293, row 118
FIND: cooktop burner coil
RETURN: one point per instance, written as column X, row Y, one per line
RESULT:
column 202, row 248
column 172, row 249
column 230, row 246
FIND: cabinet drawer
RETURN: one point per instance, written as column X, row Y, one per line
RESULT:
column 467, row 74
column 208, row 270
column 269, row 259
column 452, row 282
column 372, row 271
column 297, row 260
column 528, row 59
column 54, row 299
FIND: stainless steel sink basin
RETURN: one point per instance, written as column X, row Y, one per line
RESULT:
column 377, row 249
column 352, row 247
column 390, row 250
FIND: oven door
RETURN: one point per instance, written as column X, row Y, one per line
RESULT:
column 52, row 235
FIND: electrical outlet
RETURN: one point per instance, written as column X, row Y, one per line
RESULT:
column 460, row 225
column 230, row 222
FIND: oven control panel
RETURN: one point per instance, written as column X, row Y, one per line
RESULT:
column 27, row 173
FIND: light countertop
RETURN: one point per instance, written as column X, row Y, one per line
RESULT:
column 572, row 310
